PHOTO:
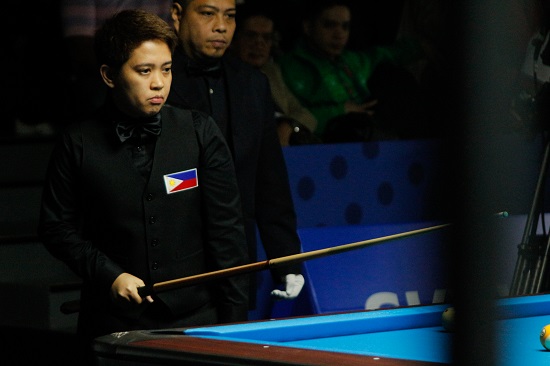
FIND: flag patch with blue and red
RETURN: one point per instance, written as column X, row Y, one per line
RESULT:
column 181, row 181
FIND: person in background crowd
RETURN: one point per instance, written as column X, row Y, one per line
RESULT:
column 530, row 107
column 255, row 43
column 342, row 87
column 430, row 23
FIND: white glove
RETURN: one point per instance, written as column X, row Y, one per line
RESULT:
column 293, row 286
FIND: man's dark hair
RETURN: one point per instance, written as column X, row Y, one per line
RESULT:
column 121, row 34
column 246, row 11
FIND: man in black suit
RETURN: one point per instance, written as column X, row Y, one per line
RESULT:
column 238, row 97
column 144, row 193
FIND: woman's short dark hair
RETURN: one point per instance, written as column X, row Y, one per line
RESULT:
column 125, row 31
column 184, row 3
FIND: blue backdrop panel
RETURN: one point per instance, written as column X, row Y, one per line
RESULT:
column 350, row 192
column 407, row 271
column 359, row 184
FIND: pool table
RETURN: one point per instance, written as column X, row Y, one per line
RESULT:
column 397, row 336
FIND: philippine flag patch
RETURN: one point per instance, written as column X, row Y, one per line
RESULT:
column 181, row 181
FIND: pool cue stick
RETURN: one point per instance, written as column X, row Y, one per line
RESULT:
column 276, row 262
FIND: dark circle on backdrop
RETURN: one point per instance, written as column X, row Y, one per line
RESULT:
column 306, row 188
column 385, row 193
column 416, row 174
column 371, row 150
column 339, row 167
column 354, row 214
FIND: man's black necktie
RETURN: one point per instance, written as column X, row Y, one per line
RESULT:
column 134, row 127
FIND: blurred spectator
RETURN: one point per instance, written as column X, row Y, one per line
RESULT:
column 80, row 19
column 531, row 106
column 332, row 81
column 254, row 42
column 428, row 21
column 34, row 49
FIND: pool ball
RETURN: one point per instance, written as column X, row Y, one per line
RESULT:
column 545, row 336
column 448, row 319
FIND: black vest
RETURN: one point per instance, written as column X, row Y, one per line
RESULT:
column 151, row 234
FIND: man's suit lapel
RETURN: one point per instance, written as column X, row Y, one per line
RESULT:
column 236, row 102
column 191, row 96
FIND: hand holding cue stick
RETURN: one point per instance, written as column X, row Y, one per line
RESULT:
column 276, row 262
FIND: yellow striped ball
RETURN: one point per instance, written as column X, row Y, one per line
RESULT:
column 545, row 337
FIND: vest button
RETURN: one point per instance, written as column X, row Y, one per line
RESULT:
column 155, row 266
column 149, row 197
column 154, row 242
column 152, row 219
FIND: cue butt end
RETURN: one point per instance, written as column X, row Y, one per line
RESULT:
column 145, row 291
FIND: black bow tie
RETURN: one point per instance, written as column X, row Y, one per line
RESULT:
column 134, row 127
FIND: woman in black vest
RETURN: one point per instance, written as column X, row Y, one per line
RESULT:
column 144, row 193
